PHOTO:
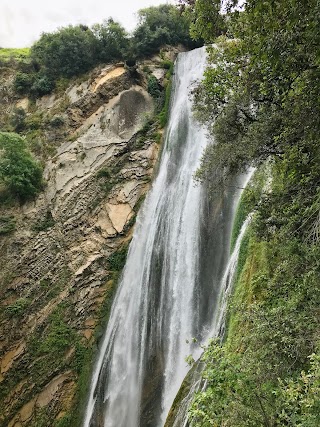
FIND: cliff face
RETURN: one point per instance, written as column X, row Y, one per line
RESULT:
column 60, row 266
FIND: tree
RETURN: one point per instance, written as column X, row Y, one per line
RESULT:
column 160, row 25
column 19, row 171
column 260, row 98
column 260, row 84
column 67, row 52
column 112, row 40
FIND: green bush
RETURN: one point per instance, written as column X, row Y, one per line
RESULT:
column 23, row 82
column 19, row 171
column 104, row 173
column 164, row 114
column 18, row 119
column 153, row 86
column 158, row 26
column 43, row 84
column 68, row 52
column 117, row 260
column 45, row 223
column 17, row 308
column 7, row 224
column 112, row 40
column 57, row 121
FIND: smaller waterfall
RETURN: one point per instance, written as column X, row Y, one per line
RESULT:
column 218, row 327
column 227, row 282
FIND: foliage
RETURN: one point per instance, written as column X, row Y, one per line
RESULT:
column 23, row 82
column 17, row 308
column 299, row 399
column 45, row 223
column 73, row 50
column 19, row 172
column 17, row 120
column 67, row 52
column 43, row 83
column 207, row 21
column 117, row 260
column 7, row 225
column 57, row 121
column 104, row 173
column 164, row 113
column 159, row 26
column 112, row 40
column 258, row 94
column 16, row 54
column 260, row 98
column 153, row 86
column 249, row 200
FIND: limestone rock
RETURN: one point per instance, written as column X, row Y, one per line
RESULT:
column 119, row 215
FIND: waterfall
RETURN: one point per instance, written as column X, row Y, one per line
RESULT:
column 218, row 324
column 171, row 282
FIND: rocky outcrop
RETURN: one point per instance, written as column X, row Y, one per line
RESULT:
column 59, row 269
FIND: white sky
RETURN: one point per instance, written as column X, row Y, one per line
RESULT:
column 22, row 21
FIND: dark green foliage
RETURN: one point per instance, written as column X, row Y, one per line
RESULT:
column 153, row 86
column 167, row 64
column 23, row 82
column 207, row 22
column 17, row 308
column 57, row 121
column 68, row 52
column 19, row 172
column 73, row 50
column 17, row 120
column 159, row 26
column 7, row 225
column 117, row 260
column 261, row 99
column 112, row 41
column 34, row 84
column 45, row 223
column 164, row 114
column 42, row 84
column 104, row 173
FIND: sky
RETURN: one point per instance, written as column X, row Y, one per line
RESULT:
column 22, row 21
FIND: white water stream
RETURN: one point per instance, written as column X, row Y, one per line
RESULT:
column 159, row 305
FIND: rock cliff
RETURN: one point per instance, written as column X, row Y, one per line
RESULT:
column 60, row 267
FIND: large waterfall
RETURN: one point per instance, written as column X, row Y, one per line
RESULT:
column 170, row 285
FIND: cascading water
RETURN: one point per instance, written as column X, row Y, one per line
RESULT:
column 171, row 279
column 218, row 327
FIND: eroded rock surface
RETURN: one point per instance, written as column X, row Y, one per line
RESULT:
column 58, row 270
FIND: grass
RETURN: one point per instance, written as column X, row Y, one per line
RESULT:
column 17, row 54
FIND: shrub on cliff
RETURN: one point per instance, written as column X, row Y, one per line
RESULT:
column 67, row 52
column 20, row 173
column 158, row 26
column 112, row 40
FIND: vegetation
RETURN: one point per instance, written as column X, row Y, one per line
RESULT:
column 160, row 25
column 117, row 260
column 45, row 223
column 17, row 308
column 260, row 99
column 7, row 224
column 73, row 50
column 14, row 54
column 19, row 172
